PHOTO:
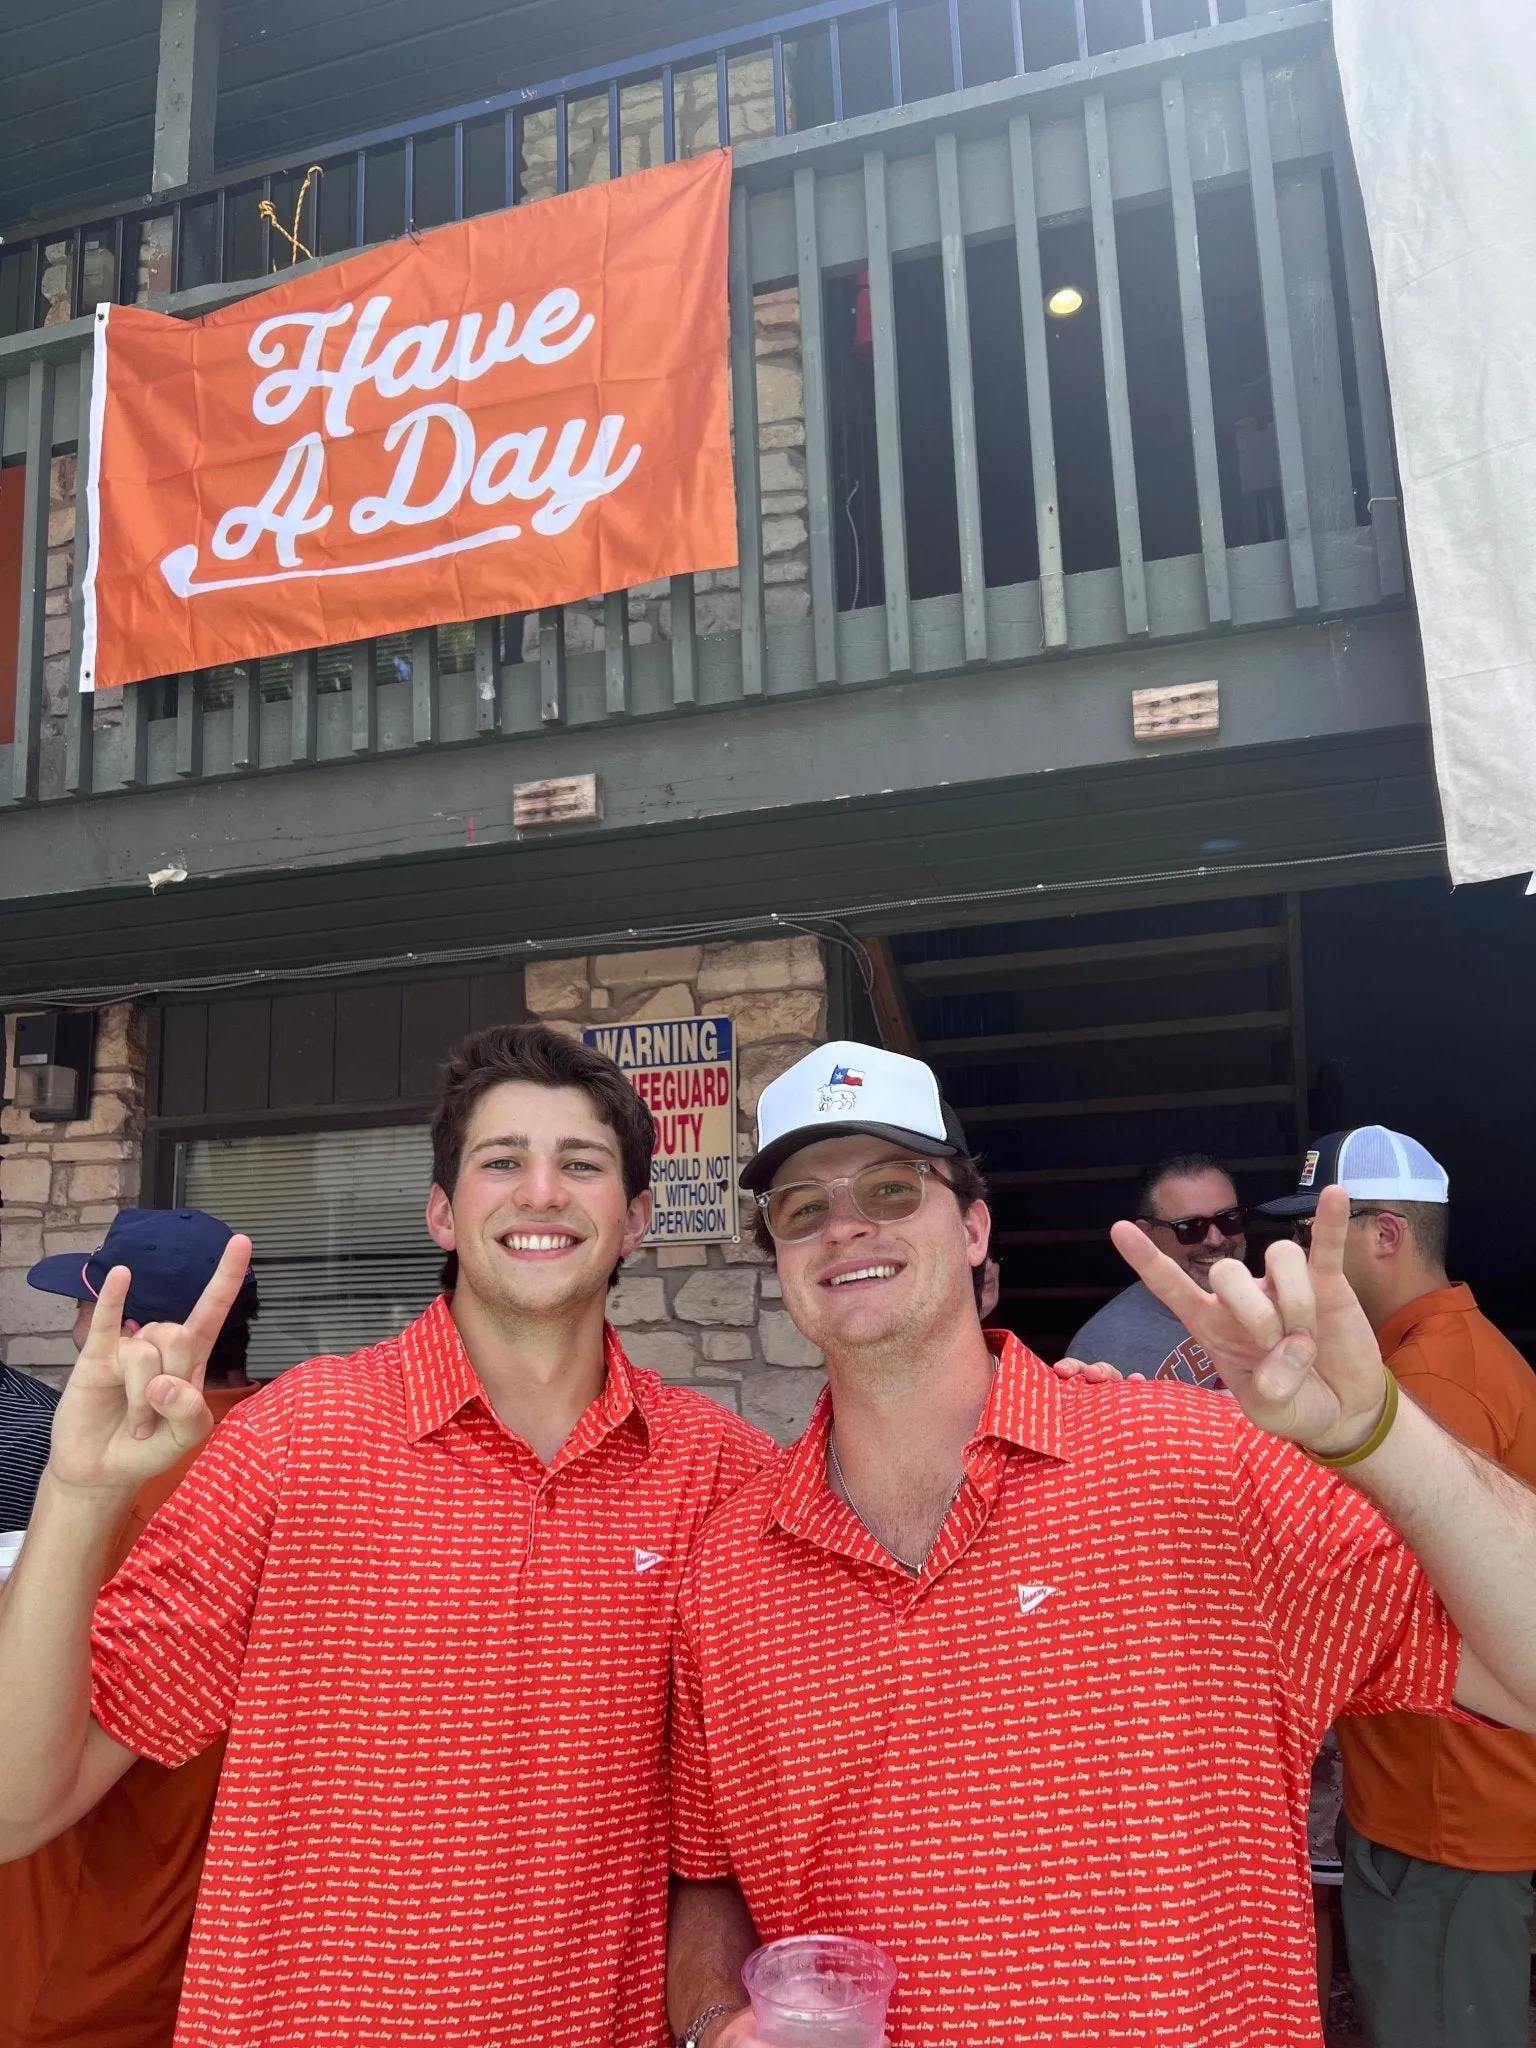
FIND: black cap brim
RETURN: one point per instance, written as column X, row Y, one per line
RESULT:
column 1289, row 1205
column 63, row 1273
column 762, row 1166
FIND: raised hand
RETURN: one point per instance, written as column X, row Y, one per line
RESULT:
column 134, row 1402
column 1295, row 1347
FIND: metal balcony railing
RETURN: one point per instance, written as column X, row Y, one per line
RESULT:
column 820, row 64
column 934, row 472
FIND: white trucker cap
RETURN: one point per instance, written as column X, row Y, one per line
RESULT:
column 846, row 1090
column 1371, row 1164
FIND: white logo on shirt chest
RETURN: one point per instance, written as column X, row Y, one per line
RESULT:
column 1031, row 1597
column 647, row 1560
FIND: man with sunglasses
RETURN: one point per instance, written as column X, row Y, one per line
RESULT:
column 1188, row 1206
column 1022, row 1682
column 1440, row 1821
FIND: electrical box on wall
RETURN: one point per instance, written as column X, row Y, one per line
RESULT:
column 53, row 1064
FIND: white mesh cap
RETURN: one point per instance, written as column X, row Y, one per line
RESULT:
column 1378, row 1165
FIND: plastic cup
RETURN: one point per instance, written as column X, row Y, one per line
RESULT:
column 819, row 1991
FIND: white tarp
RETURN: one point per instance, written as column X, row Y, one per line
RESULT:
column 1440, row 97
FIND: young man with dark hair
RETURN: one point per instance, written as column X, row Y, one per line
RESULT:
column 1440, row 1821
column 96, row 1921
column 1023, row 1682
column 1188, row 1206
column 427, row 1590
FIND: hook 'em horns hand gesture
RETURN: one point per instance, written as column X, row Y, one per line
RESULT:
column 1295, row 1347
column 134, row 1402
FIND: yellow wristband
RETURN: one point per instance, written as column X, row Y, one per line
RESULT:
column 1373, row 1442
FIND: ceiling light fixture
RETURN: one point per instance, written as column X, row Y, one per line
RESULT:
column 1061, row 305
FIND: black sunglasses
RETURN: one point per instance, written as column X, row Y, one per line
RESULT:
column 1193, row 1229
column 1301, row 1227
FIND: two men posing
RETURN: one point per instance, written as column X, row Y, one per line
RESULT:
column 945, row 1677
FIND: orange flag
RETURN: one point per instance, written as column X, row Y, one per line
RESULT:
column 516, row 411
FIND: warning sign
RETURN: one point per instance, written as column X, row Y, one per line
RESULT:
column 685, row 1072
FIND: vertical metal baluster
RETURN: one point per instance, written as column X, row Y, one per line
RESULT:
column 780, row 95
column 487, row 681
column 818, row 457
column 749, row 493
column 616, row 653
column 245, row 749
column 1277, row 336
column 80, row 708
column 685, row 642
column 615, row 131
column 1197, row 357
column 133, row 737
column 835, row 53
column 562, row 145
column 962, row 399
column 552, row 666
column 189, row 726
column 509, row 163
column 365, row 697
column 266, row 230
column 1016, row 23
column 956, row 52
column 360, row 200
column 120, row 291
column 1133, row 575
column 220, row 235
column 723, row 98
column 1037, row 384
column 1384, row 509
column 177, row 244
column 668, row 117
column 409, row 203
column 1080, row 23
column 893, row 514
column 424, row 687
column 304, row 706
column 77, row 273
column 1148, row 26
column 458, row 170
column 26, row 752
column 893, row 32
column 1213, row 10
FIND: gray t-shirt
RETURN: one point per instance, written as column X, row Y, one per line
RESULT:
column 1135, row 1333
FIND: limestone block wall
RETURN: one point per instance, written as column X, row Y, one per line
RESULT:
column 709, row 1316
column 62, row 1184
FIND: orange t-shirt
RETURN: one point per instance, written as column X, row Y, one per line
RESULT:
column 1453, row 1794
column 96, row 1922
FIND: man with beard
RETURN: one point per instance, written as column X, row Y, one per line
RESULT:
column 1188, row 1206
column 1023, row 1683
column 427, row 1590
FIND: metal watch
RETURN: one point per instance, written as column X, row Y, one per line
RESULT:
column 706, row 2019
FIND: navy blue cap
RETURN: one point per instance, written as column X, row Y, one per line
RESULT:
column 171, row 1254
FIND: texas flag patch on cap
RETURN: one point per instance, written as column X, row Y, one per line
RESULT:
column 847, row 1077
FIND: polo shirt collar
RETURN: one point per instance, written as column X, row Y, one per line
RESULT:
column 1022, row 1412
column 440, row 1381
column 1454, row 1300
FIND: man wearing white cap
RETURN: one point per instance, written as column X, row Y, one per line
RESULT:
column 1440, row 1820
column 1023, row 1683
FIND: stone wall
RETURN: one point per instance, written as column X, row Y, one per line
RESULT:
column 62, row 1184
column 710, row 1316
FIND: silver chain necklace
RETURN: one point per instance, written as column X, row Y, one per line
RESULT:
column 913, row 1571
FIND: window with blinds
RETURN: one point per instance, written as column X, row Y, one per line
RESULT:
column 341, row 1251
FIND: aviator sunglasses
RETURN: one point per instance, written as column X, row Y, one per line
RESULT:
column 1191, row 1230
column 880, row 1194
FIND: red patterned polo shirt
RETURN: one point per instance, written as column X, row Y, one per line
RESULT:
column 1062, row 1777
column 443, row 1669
